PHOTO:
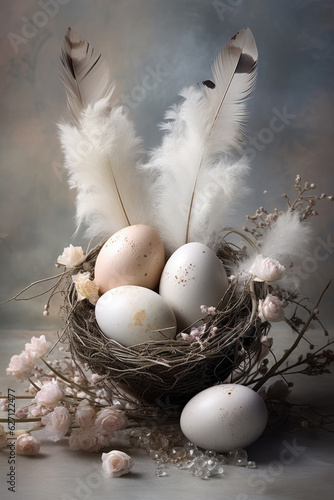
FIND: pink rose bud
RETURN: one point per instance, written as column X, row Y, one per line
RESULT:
column 116, row 463
column 85, row 414
column 26, row 444
column 271, row 309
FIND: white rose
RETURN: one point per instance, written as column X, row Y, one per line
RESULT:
column 86, row 288
column 265, row 269
column 57, row 423
column 26, row 444
column 116, row 463
column 85, row 414
column 271, row 309
column 110, row 420
column 50, row 394
column 39, row 346
column 84, row 439
column 21, row 365
column 71, row 257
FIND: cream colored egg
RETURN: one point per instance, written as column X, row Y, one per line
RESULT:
column 193, row 276
column 225, row 417
column 133, row 256
column 132, row 315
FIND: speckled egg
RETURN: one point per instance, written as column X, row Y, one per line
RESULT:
column 225, row 417
column 134, row 255
column 193, row 276
column 133, row 314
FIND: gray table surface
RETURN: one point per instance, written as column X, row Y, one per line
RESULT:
column 291, row 466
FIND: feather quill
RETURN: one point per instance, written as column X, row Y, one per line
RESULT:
column 193, row 176
column 102, row 152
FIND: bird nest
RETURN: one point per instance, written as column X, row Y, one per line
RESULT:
column 167, row 373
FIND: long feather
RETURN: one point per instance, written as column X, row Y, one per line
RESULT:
column 102, row 152
column 84, row 73
column 205, row 126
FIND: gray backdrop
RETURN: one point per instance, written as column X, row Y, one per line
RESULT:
column 176, row 41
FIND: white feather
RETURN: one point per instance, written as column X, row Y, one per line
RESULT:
column 101, row 150
column 288, row 241
column 188, row 165
column 101, row 156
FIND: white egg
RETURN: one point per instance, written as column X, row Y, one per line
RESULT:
column 193, row 276
column 133, row 314
column 225, row 417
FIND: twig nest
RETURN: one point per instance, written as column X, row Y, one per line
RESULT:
column 167, row 373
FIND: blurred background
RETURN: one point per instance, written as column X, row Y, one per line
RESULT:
column 175, row 43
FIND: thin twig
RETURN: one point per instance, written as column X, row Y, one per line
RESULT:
column 273, row 369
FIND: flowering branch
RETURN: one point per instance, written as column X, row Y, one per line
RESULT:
column 65, row 379
column 273, row 369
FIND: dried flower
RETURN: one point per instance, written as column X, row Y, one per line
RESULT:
column 110, row 420
column 22, row 412
column 85, row 414
column 86, row 288
column 116, row 463
column 194, row 336
column 38, row 346
column 71, row 257
column 57, row 423
column 266, row 269
column 26, row 444
column 21, row 365
column 271, row 309
column 50, row 394
column 208, row 310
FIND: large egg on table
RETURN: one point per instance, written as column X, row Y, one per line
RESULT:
column 134, row 255
column 193, row 276
column 224, row 418
column 132, row 315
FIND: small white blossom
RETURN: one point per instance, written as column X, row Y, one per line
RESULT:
column 86, row 288
column 71, row 257
column 266, row 269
